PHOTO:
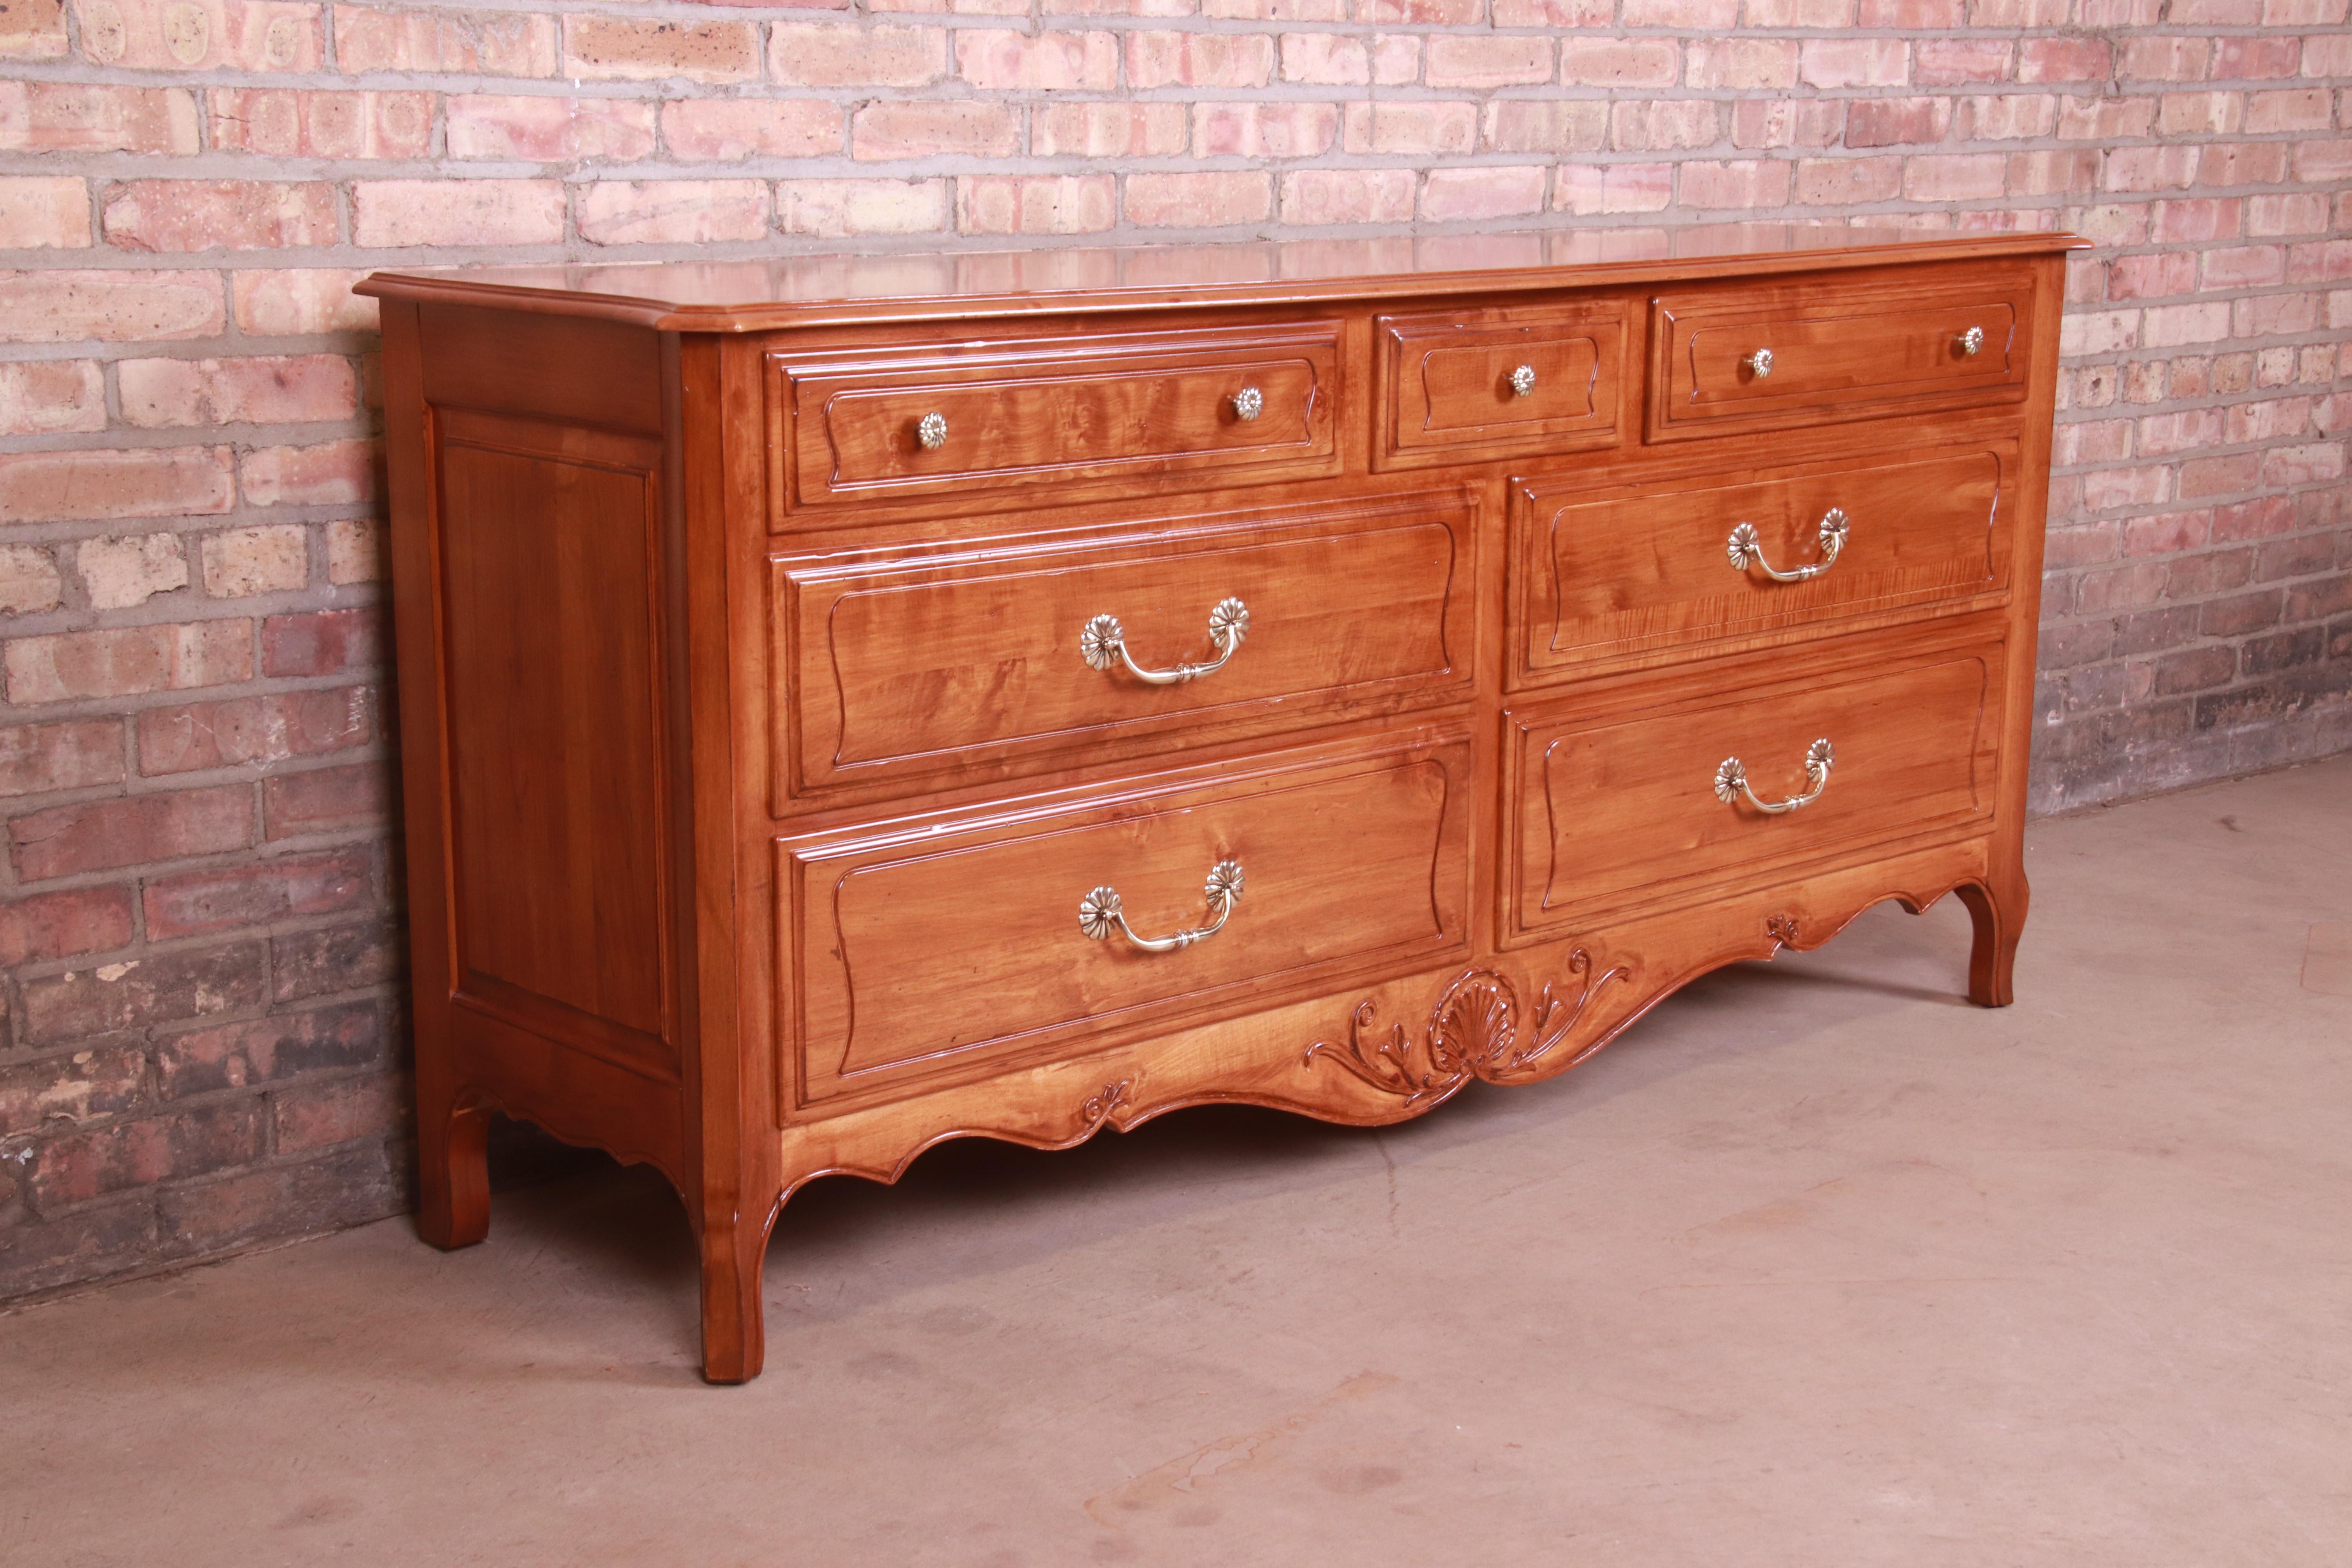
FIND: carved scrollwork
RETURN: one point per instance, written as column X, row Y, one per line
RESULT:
column 1783, row 930
column 1473, row 1031
column 1098, row 1108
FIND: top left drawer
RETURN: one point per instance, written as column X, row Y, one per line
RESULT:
column 927, row 421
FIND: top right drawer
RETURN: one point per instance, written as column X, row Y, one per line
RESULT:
column 1768, row 356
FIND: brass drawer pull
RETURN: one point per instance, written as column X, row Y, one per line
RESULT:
column 932, row 431
column 1099, row 912
column 1969, row 342
column 1248, row 402
column 1745, row 549
column 1523, row 381
column 1103, row 643
column 1759, row 364
column 1731, row 781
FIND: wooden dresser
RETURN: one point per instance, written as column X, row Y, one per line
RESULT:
column 849, row 702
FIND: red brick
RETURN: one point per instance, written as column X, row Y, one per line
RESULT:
column 1855, row 62
column 75, row 117
column 2063, row 60
column 285, row 124
column 321, row 642
column 266, row 1050
column 158, row 393
column 255, row 729
column 1749, row 65
column 144, row 482
column 998, row 59
column 43, row 213
column 643, row 48
column 64, row 925
column 342, row 958
column 1954, row 177
column 96, row 836
column 64, row 1091
column 1037, row 203
column 57, row 306
column 1108, row 129
column 201, row 34
column 50, row 397
column 1892, row 121
column 1594, row 188
column 300, row 301
column 198, row 904
column 1838, row 182
column 1733, row 184
column 1786, row 122
column 208, row 215
column 896, row 129
column 395, row 213
column 560, row 129
column 1944, row 62
column 700, row 129
column 334, row 473
column 304, row 1198
column 2244, row 57
column 1453, row 195
column 1198, row 200
column 125, row 660
column 325, row 799
column 74, row 1248
column 1410, row 129
column 1664, row 125
column 836, row 209
column 33, row 30
column 845, row 54
column 1532, row 125
column 314, row 1116
column 470, row 43
column 1198, row 59
column 672, row 211
column 1347, row 196
column 1618, row 62
column 77, row 755
column 81, row 1166
column 1327, row 60
column 1467, row 60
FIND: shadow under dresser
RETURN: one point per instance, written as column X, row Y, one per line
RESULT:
column 848, row 702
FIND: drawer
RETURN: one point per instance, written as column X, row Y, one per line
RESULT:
column 1760, row 357
column 882, row 423
column 975, row 659
column 1622, row 800
column 1601, row 573
column 939, row 946
column 1463, row 385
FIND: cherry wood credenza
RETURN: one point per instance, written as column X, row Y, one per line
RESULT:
column 849, row 702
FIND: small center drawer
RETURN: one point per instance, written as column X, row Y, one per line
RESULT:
column 931, row 947
column 1652, row 791
column 940, row 419
column 1019, row 655
column 1601, row 574
column 1758, row 357
column 1466, row 385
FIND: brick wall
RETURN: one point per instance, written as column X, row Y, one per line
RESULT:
column 202, row 1044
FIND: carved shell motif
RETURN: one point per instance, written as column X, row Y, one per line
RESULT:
column 1473, row 1031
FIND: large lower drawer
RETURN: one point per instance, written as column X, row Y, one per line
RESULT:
column 943, row 945
column 1651, row 791
column 945, row 418
column 997, row 660
column 1601, row 574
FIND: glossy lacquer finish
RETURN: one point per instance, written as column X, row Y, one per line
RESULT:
column 854, row 701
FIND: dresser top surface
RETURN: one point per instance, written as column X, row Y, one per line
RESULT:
column 825, row 288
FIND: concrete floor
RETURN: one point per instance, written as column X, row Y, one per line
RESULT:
column 1819, row 1267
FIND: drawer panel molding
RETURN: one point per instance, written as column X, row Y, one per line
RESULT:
column 1157, row 409
column 1469, row 385
column 1013, row 656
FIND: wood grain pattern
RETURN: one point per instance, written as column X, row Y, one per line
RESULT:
column 1841, row 349
column 1446, row 393
column 753, row 778
column 1139, row 406
column 925, row 944
column 904, row 663
column 1606, row 572
column 1613, row 797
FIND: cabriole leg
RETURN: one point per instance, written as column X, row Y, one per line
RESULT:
column 734, row 1341
column 2000, row 916
column 453, row 1175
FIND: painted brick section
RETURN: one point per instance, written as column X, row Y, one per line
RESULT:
column 197, row 978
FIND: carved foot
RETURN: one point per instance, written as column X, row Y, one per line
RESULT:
column 454, row 1177
column 1999, row 919
column 734, row 1338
